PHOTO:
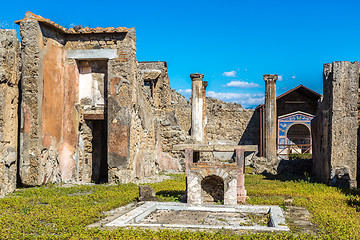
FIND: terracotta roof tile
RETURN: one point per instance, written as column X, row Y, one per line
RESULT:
column 30, row 15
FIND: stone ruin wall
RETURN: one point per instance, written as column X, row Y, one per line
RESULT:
column 129, row 114
column 9, row 94
column 55, row 138
column 121, row 87
column 131, row 135
column 227, row 123
column 162, row 91
column 335, row 126
column 230, row 121
column 168, row 132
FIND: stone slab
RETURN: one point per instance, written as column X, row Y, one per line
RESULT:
column 223, row 155
column 215, row 148
column 90, row 54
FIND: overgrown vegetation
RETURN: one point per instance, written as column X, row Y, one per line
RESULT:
column 58, row 212
column 299, row 156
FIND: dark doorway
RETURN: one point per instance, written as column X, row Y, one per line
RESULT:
column 213, row 189
column 99, row 152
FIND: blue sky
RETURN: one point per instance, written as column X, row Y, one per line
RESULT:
column 233, row 43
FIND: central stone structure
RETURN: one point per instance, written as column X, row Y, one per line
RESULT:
column 215, row 181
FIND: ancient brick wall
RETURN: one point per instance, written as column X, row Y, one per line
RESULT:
column 225, row 121
column 161, row 88
column 167, row 131
column 335, row 126
column 230, row 121
column 9, row 93
column 31, row 164
column 121, row 96
column 182, row 109
column 57, row 140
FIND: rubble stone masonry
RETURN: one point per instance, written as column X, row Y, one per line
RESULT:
column 9, row 93
column 335, row 127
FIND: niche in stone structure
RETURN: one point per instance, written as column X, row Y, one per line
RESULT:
column 212, row 189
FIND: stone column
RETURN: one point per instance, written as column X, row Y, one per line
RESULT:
column 341, row 96
column 197, row 107
column 204, row 111
column 270, row 116
column 30, row 166
column 9, row 93
column 121, row 144
column 240, row 162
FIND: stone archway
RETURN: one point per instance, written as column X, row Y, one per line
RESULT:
column 300, row 135
column 213, row 189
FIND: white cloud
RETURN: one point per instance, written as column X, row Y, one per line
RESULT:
column 245, row 99
column 242, row 84
column 185, row 92
column 229, row 74
column 280, row 78
column 293, row 77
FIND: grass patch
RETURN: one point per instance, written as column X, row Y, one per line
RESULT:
column 298, row 156
column 56, row 212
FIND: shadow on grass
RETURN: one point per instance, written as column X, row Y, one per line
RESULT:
column 291, row 177
column 172, row 195
column 353, row 197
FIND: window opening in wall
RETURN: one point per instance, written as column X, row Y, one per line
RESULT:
column 196, row 156
column 149, row 87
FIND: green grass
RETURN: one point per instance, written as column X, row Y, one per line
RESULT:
column 298, row 156
column 55, row 212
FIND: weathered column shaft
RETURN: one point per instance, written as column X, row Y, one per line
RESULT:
column 197, row 108
column 189, row 157
column 270, row 116
column 341, row 84
column 204, row 111
column 30, row 166
column 9, row 93
column 240, row 162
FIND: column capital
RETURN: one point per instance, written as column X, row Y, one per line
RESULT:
column 270, row 77
column 196, row 77
column 205, row 84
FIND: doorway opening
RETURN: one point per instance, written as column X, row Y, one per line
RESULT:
column 99, row 151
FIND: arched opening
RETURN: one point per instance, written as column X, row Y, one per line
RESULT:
column 299, row 135
column 213, row 189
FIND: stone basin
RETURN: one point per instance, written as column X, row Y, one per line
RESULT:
column 189, row 216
